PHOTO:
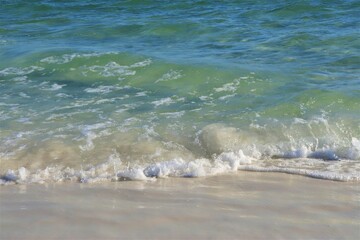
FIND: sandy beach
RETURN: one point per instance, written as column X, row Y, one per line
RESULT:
column 245, row 205
column 179, row 120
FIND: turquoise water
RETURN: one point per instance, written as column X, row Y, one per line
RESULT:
column 110, row 90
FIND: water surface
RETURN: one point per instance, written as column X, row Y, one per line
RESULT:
column 101, row 90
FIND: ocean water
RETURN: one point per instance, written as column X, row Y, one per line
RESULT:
column 113, row 90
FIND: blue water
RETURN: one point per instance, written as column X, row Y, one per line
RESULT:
column 99, row 90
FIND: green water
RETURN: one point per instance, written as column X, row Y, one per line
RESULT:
column 151, row 82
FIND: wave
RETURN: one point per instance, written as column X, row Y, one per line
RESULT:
column 227, row 162
column 220, row 150
column 168, row 120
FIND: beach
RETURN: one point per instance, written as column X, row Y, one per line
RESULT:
column 243, row 205
column 185, row 119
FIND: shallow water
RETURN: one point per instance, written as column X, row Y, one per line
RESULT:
column 108, row 90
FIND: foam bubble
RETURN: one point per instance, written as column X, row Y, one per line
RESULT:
column 54, row 87
column 144, row 63
column 326, row 175
column 102, row 89
column 19, row 71
column 174, row 114
column 66, row 58
column 141, row 94
column 24, row 95
column 217, row 149
column 226, row 162
column 227, row 96
column 354, row 151
column 171, row 75
column 132, row 174
column 228, row 87
column 234, row 159
column 90, row 135
column 164, row 101
column 111, row 69
column 21, row 79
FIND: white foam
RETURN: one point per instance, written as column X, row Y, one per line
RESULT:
column 63, row 95
column 234, row 159
column 354, row 151
column 55, row 87
column 141, row 94
column 227, row 96
column 325, row 153
column 21, row 79
column 24, row 120
column 24, row 95
column 326, row 175
column 19, row 71
column 171, row 75
column 132, row 174
column 228, row 87
column 102, row 89
column 90, row 135
column 217, row 149
column 298, row 153
column 226, row 162
column 164, row 101
column 178, row 167
column 111, row 69
column 144, row 63
column 205, row 98
column 66, row 58
column 110, row 170
column 4, row 116
column 173, row 114
column 76, row 104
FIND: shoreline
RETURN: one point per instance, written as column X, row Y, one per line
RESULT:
column 246, row 205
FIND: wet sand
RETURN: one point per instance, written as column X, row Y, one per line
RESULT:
column 245, row 205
